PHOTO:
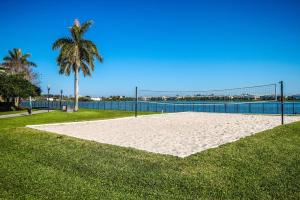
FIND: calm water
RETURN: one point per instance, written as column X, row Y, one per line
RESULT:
column 183, row 106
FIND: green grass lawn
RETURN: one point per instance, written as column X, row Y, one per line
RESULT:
column 39, row 165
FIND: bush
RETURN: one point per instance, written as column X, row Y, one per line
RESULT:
column 14, row 87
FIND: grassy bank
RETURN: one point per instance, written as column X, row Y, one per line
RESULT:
column 58, row 116
column 39, row 165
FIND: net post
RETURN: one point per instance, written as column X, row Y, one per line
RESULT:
column 276, row 92
column 281, row 102
column 136, row 100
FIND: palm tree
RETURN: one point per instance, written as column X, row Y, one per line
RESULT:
column 76, row 53
column 16, row 62
column 2, row 69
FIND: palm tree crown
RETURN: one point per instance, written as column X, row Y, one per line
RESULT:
column 76, row 53
column 16, row 62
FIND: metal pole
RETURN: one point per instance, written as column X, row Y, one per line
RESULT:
column 282, row 103
column 294, row 108
column 276, row 92
column 48, row 99
column 61, row 96
column 136, row 100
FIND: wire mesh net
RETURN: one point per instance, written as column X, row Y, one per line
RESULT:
column 254, row 93
column 254, row 99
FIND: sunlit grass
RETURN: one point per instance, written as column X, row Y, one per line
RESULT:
column 40, row 165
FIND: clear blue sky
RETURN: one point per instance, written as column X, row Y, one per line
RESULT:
column 163, row 44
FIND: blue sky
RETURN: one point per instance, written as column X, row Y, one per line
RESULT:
column 163, row 44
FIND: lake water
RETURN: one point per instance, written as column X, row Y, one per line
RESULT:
column 179, row 106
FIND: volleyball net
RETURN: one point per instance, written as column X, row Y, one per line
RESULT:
column 257, row 99
column 244, row 94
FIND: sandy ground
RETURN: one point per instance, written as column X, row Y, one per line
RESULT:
column 178, row 134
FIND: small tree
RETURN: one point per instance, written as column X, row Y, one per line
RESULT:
column 15, row 86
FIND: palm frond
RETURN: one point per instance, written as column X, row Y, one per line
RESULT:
column 32, row 64
column 65, row 68
column 7, row 58
column 18, row 53
column 85, row 69
column 85, row 26
column 87, row 58
column 93, row 48
column 25, row 56
column 61, row 42
column 12, row 53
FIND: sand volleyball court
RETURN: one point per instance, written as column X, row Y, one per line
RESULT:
column 177, row 134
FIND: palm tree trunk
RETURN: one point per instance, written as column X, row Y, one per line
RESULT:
column 76, row 90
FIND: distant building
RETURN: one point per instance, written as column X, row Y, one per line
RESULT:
column 256, row 97
column 179, row 97
column 164, row 98
column 50, row 99
column 145, row 98
column 96, row 98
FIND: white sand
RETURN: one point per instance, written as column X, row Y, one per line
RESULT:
column 178, row 134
